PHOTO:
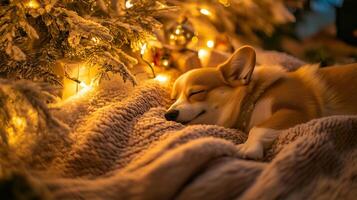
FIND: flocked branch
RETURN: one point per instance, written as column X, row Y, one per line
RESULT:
column 34, row 34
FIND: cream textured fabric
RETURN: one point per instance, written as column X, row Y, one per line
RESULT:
column 123, row 148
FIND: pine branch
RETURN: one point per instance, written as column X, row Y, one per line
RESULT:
column 101, row 32
column 23, row 107
column 244, row 19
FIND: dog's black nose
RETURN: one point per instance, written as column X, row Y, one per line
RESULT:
column 172, row 115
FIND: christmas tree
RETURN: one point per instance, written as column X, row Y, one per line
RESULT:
column 36, row 34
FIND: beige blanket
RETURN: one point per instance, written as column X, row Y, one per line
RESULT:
column 117, row 145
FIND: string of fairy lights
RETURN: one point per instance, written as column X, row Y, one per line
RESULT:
column 178, row 37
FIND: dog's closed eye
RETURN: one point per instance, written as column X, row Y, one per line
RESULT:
column 196, row 92
column 197, row 95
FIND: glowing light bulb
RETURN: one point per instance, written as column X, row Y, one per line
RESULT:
column 177, row 31
column 203, row 53
column 85, row 88
column 128, row 4
column 165, row 63
column 83, row 85
column 210, row 43
column 143, row 49
column 33, row 4
column 204, row 11
column 162, row 78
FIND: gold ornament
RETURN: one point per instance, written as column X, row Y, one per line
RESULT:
column 181, row 34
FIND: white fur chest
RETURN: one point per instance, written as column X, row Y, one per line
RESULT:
column 261, row 112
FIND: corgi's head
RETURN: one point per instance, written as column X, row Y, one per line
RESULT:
column 212, row 95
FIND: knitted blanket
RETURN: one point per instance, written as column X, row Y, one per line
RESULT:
column 117, row 145
column 123, row 148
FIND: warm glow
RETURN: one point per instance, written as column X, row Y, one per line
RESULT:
column 204, row 11
column 165, row 63
column 203, row 54
column 194, row 39
column 177, row 31
column 161, row 5
column 210, row 43
column 95, row 40
column 85, row 88
column 19, row 123
column 225, row 2
column 33, row 4
column 128, row 4
column 162, row 78
column 84, row 85
column 13, row 135
column 80, row 80
column 143, row 49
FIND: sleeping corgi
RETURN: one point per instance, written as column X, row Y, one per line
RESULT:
column 261, row 101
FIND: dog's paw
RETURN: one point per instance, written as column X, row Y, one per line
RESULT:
column 252, row 151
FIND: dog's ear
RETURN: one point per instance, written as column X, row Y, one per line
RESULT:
column 238, row 69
